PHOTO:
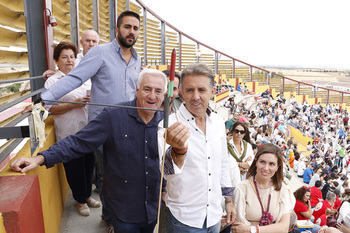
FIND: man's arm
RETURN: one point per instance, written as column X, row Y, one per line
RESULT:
column 24, row 165
column 88, row 67
column 71, row 147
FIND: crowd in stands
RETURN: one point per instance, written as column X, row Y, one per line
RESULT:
column 323, row 166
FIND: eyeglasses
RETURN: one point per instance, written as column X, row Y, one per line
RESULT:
column 239, row 131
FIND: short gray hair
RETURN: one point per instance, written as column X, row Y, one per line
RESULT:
column 293, row 220
column 148, row 71
column 198, row 69
column 330, row 196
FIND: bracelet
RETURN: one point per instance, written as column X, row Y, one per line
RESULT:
column 179, row 153
column 228, row 201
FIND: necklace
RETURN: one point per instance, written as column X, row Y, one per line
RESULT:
column 268, row 186
column 266, row 217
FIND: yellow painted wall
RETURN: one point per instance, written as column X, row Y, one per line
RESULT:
column 2, row 227
column 160, row 67
column 299, row 136
column 260, row 89
column 223, row 78
column 299, row 98
column 249, row 85
column 53, row 184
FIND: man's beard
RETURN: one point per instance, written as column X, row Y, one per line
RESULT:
column 123, row 41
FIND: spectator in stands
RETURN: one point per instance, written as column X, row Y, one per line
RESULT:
column 308, row 173
column 241, row 148
column 265, row 189
column 341, row 155
column 244, row 89
column 302, row 206
column 244, row 118
column 344, row 217
column 322, row 206
column 343, row 187
column 322, row 220
column 231, row 121
column 89, row 39
column 301, row 167
column 69, row 119
column 292, row 223
column 315, row 177
column 316, row 194
column 120, row 153
column 231, row 103
column 337, row 202
column 346, row 120
column 233, row 168
column 239, row 87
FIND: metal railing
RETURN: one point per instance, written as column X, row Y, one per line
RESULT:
column 16, row 134
column 216, row 52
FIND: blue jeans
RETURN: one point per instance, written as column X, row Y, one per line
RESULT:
column 125, row 227
column 174, row 226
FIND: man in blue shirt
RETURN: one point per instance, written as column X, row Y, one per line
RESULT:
column 112, row 68
column 131, row 160
column 309, row 171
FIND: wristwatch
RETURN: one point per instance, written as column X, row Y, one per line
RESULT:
column 252, row 229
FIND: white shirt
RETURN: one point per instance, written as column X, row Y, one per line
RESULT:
column 296, row 165
column 74, row 120
column 79, row 57
column 248, row 154
column 301, row 168
column 313, row 180
column 344, row 214
column 194, row 190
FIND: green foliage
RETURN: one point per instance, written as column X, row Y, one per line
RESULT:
column 14, row 88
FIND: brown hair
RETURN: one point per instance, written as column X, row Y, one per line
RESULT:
column 62, row 46
column 300, row 192
column 266, row 148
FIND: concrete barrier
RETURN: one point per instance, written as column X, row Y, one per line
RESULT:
column 20, row 204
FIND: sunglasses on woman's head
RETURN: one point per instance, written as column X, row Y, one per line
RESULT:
column 239, row 131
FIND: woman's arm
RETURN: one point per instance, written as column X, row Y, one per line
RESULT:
column 62, row 108
column 308, row 213
column 280, row 227
column 343, row 228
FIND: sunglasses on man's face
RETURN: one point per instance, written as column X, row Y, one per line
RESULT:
column 239, row 131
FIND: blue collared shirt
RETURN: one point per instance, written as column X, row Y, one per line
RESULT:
column 131, row 161
column 113, row 81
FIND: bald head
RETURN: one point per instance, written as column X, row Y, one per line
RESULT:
column 89, row 39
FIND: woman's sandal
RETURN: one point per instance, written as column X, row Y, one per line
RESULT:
column 93, row 203
column 83, row 209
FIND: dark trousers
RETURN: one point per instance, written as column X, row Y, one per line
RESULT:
column 106, row 212
column 125, row 227
column 79, row 176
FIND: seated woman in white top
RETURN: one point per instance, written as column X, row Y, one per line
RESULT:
column 264, row 202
